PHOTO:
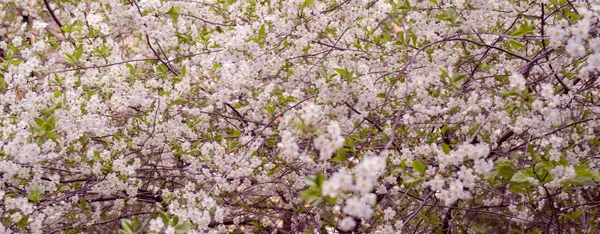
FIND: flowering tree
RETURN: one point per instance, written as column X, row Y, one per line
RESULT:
column 300, row 116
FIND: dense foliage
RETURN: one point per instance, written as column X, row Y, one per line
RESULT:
column 300, row 116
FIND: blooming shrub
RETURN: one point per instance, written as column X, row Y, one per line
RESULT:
column 300, row 116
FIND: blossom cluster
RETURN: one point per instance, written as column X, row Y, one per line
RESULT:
column 173, row 116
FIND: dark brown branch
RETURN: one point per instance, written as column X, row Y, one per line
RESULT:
column 208, row 22
column 158, row 57
column 237, row 113
column 52, row 13
column 504, row 137
column 335, row 7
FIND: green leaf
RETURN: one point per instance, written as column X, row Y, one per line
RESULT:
column 444, row 129
column 425, row 218
column 307, row 3
column 175, row 220
column 3, row 84
column 523, row 29
column 67, row 28
column 517, row 189
column 507, row 93
column 71, row 57
column 449, row 15
column 542, row 171
column 127, row 226
column 340, row 155
column 78, row 53
column 83, row 204
column 178, row 100
column 23, row 222
column 446, row 148
column 519, row 177
column 516, row 45
column 256, row 224
column 349, row 141
column 46, row 124
column 413, row 179
column 182, row 228
column 478, row 228
column 50, row 124
column 64, row 188
column 342, row 71
column 580, row 180
column 262, row 32
column 490, row 175
column 312, row 196
column 35, row 195
column 174, row 13
column 585, row 171
column 419, row 166
column 131, row 69
column 458, row 78
column 573, row 17
column 165, row 217
column 16, row 62
column 57, row 93
column 573, row 216
column 270, row 109
column 39, row 121
column 315, row 180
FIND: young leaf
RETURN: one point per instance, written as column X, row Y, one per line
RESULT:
column 581, row 180
column 182, row 228
column 35, row 195
column 174, row 13
column 78, row 53
column 340, row 155
column 419, row 166
column 307, row 3
column 446, row 148
column 127, row 227
column 519, row 177
column 524, row 29
column 342, row 71
column 262, row 32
